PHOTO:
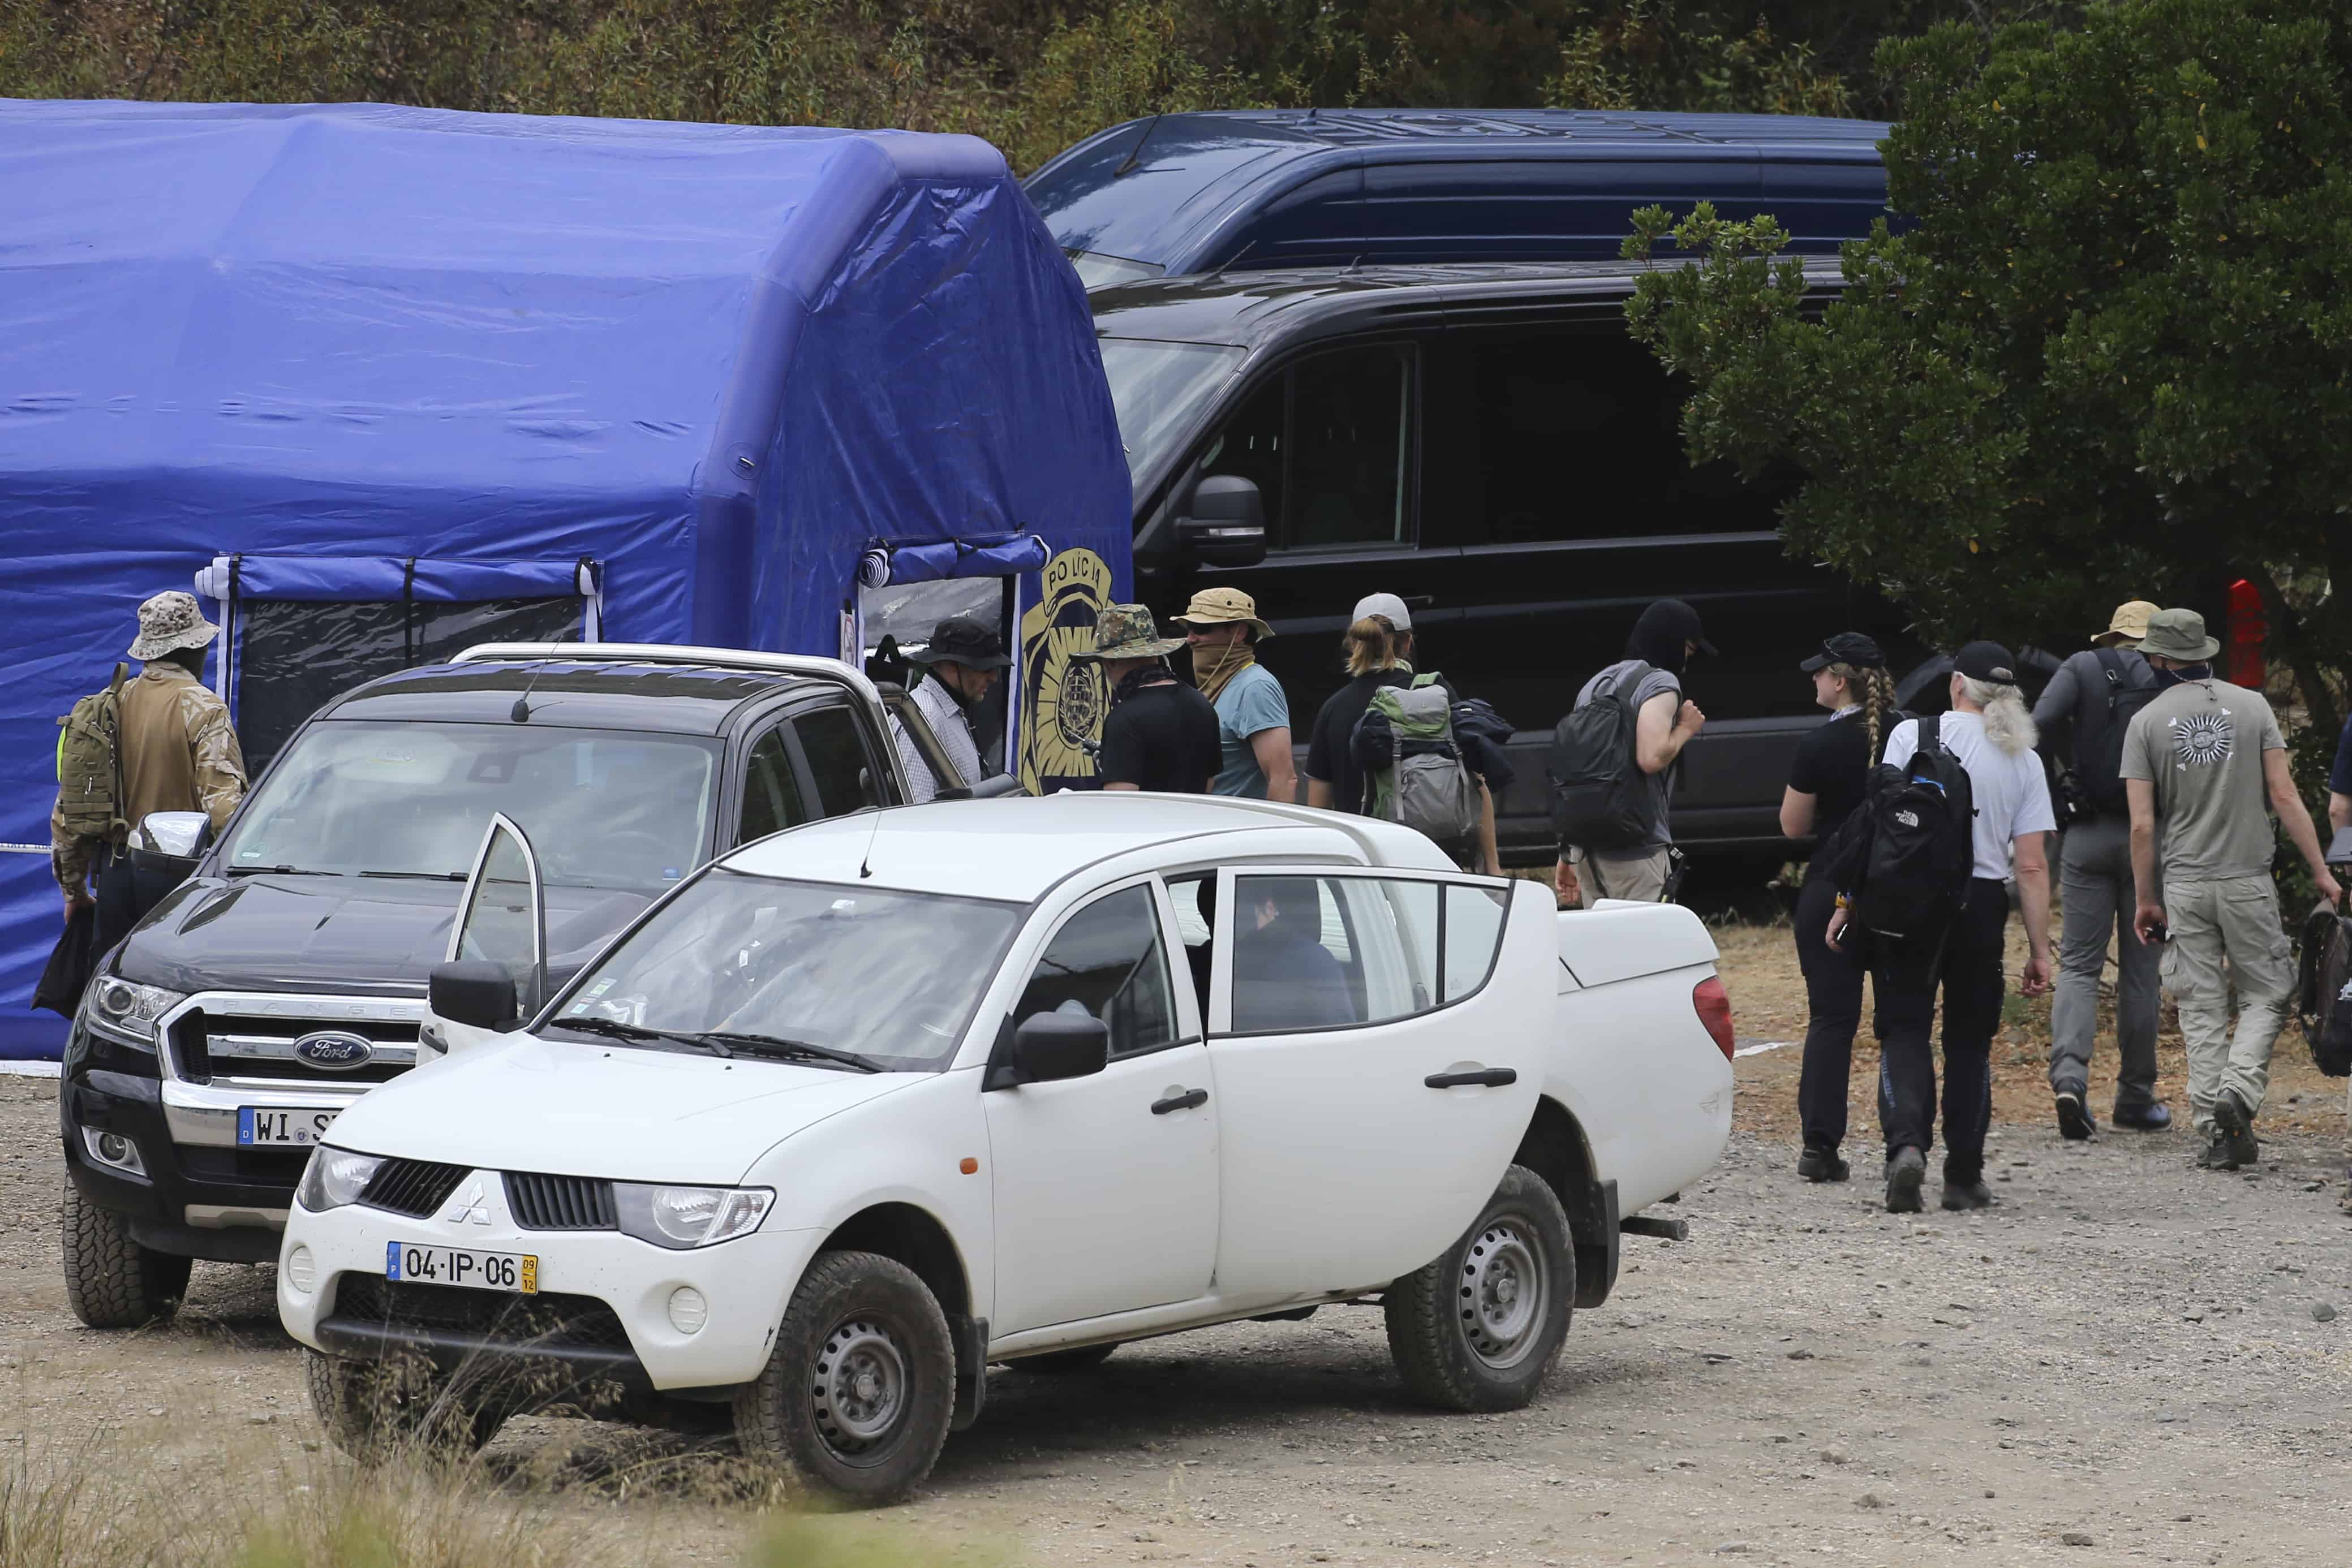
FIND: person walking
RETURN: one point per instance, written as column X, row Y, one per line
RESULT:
column 1825, row 785
column 1159, row 734
column 175, row 750
column 1991, row 736
column 2340, row 783
column 2199, row 764
column 1378, row 649
column 1223, row 628
column 2087, row 710
column 959, row 665
column 1664, row 639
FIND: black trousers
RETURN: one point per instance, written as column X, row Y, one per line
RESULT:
column 1967, row 967
column 1833, row 999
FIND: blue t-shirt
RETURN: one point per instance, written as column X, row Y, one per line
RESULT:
column 2339, row 778
column 1251, row 702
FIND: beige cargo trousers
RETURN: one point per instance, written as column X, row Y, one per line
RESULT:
column 2226, row 935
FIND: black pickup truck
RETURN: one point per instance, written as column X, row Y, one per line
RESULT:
column 286, row 975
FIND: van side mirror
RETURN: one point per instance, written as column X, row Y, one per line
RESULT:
column 177, row 835
column 1048, row 1046
column 477, row 992
column 1225, row 522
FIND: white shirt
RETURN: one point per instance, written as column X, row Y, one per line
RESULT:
column 949, row 727
column 2012, row 794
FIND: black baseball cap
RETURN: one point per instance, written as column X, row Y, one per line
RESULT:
column 1846, row 648
column 1987, row 661
column 960, row 639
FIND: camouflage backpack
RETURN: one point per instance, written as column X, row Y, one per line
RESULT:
column 90, row 764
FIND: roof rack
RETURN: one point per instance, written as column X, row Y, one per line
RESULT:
column 746, row 659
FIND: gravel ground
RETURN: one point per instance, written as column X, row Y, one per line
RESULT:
column 2126, row 1361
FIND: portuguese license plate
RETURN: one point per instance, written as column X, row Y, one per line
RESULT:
column 274, row 1126
column 461, row 1266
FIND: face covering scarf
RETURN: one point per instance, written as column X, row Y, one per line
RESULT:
column 1230, row 660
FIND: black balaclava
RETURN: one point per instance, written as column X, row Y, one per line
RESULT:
column 1659, row 635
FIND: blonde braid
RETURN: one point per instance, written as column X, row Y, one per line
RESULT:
column 1874, row 690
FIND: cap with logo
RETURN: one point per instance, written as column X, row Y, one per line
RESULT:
column 2129, row 625
column 1388, row 607
column 1128, row 632
column 1987, row 661
column 1220, row 607
column 1849, row 648
column 2178, row 634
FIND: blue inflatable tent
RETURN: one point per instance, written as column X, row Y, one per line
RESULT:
column 382, row 381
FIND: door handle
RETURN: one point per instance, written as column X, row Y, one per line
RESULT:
column 1481, row 1077
column 1184, row 1102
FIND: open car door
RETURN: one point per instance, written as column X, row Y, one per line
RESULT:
column 502, row 925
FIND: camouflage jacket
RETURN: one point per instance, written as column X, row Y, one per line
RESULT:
column 179, row 754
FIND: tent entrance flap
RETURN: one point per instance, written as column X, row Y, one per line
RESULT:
column 903, row 590
column 302, row 629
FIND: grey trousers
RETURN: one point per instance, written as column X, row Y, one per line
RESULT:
column 2094, row 885
column 2234, row 922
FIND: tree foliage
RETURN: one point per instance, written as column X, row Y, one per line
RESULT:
column 2113, row 353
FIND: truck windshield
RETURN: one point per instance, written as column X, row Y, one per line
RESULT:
column 1159, row 389
column 891, row 976
column 604, row 807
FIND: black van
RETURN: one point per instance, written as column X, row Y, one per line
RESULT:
column 1488, row 443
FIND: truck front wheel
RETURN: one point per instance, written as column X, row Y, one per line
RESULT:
column 111, row 1281
column 375, row 1409
column 1477, row 1329
column 856, row 1395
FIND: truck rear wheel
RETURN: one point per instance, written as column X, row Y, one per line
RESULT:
column 375, row 1409
column 111, row 1281
column 1477, row 1329
column 856, row 1395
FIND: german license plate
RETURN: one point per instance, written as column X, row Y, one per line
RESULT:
column 271, row 1126
column 461, row 1266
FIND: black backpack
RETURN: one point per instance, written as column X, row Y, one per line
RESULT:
column 2099, row 753
column 1905, row 857
column 2324, row 1000
column 1600, row 796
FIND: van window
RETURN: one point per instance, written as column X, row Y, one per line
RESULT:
column 836, row 760
column 772, row 791
column 1326, row 443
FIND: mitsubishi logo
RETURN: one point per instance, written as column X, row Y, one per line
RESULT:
column 470, row 1203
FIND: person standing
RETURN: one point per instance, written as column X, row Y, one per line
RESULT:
column 1991, row 736
column 1223, row 628
column 1159, row 734
column 175, row 751
column 2340, row 783
column 2201, row 760
column 2088, row 706
column 961, row 662
column 1666, row 636
column 1825, row 784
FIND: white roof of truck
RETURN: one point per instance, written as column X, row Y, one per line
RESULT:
column 1017, row 847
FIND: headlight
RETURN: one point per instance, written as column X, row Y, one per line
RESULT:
column 334, row 1177
column 683, row 1216
column 128, row 1012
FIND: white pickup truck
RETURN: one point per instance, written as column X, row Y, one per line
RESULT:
column 873, row 1103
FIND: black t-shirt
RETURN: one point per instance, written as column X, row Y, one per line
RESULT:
column 1162, row 737
column 1832, row 764
column 1330, row 758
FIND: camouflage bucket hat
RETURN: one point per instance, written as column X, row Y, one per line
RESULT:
column 170, row 622
column 1128, row 632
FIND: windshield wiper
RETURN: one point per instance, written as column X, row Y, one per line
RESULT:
column 769, row 1045
column 421, row 876
column 275, row 871
column 619, row 1030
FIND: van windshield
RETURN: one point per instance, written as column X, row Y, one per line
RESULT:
column 604, row 807
column 1159, row 389
column 888, row 975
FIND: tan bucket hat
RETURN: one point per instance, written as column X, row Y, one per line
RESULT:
column 1221, row 606
column 170, row 622
column 1128, row 632
column 2129, row 625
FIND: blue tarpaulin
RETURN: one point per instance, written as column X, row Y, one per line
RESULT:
column 373, row 352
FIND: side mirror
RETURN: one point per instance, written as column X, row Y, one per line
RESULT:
column 477, row 992
column 1224, row 522
column 179, row 835
column 1057, row 1045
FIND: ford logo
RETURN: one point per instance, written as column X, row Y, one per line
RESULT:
column 334, row 1050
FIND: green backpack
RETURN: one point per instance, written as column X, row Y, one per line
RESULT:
column 90, row 764
column 1430, row 790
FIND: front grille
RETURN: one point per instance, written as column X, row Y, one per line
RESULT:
column 254, row 1167
column 302, row 1072
column 551, row 1319
column 239, row 1038
column 415, row 1188
column 559, row 1202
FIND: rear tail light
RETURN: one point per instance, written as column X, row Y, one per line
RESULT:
column 1714, row 1007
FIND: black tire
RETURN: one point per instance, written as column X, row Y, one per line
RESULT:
column 111, row 1281
column 1462, row 1329
column 854, row 1401
column 375, row 1409
column 1062, row 1362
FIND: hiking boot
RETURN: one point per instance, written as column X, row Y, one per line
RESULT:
column 1967, row 1193
column 1821, row 1163
column 2236, row 1124
column 2216, row 1154
column 2155, row 1116
column 1906, row 1172
column 2074, row 1122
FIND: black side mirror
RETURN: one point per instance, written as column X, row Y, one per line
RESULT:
column 1051, row 1046
column 477, row 992
column 1225, row 524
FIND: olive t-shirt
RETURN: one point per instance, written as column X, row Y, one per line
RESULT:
column 2200, row 744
